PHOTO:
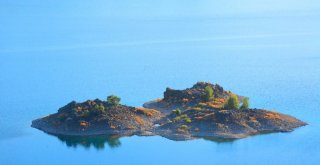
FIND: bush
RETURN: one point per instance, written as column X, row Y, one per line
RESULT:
column 245, row 103
column 184, row 127
column 208, row 93
column 232, row 103
column 113, row 100
column 177, row 111
column 177, row 118
column 99, row 109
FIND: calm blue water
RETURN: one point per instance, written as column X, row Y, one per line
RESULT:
column 54, row 52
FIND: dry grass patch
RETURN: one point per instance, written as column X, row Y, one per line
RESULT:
column 271, row 115
column 139, row 120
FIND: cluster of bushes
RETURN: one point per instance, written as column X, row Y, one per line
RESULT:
column 99, row 109
column 96, row 108
column 184, row 117
column 233, row 103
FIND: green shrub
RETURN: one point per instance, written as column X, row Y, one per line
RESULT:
column 232, row 103
column 181, row 117
column 245, row 103
column 99, row 109
column 113, row 100
column 177, row 111
column 177, row 118
column 184, row 127
column 184, row 116
column 208, row 93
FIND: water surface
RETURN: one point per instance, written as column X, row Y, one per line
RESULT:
column 55, row 52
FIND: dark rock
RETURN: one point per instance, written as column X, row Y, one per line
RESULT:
column 199, row 118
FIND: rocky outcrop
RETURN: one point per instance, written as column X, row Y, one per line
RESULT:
column 225, row 124
column 180, row 115
column 193, row 95
column 190, row 98
column 97, row 117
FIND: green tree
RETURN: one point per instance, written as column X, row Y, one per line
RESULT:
column 113, row 100
column 245, row 103
column 177, row 111
column 232, row 103
column 209, row 93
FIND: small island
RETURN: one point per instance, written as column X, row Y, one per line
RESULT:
column 203, row 111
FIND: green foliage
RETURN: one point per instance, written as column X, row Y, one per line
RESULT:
column 181, row 117
column 184, row 127
column 232, row 103
column 177, row 118
column 113, row 100
column 177, row 111
column 208, row 93
column 99, row 109
column 188, row 120
column 245, row 103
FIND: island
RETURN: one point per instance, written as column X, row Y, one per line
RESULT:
column 205, row 110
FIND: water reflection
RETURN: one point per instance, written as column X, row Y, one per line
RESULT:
column 98, row 142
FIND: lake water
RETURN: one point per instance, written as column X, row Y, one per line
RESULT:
column 54, row 52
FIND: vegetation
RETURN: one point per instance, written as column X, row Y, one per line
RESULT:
column 113, row 100
column 146, row 111
column 209, row 93
column 188, row 120
column 185, row 127
column 182, row 128
column 181, row 117
column 177, row 111
column 99, row 109
column 245, row 103
column 232, row 103
column 197, row 108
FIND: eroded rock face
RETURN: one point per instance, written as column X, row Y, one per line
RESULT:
column 196, row 118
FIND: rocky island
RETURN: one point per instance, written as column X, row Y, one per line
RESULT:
column 203, row 111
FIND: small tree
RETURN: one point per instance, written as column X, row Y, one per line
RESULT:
column 177, row 111
column 232, row 103
column 208, row 93
column 113, row 100
column 245, row 103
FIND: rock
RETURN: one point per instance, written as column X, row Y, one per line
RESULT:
column 199, row 118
